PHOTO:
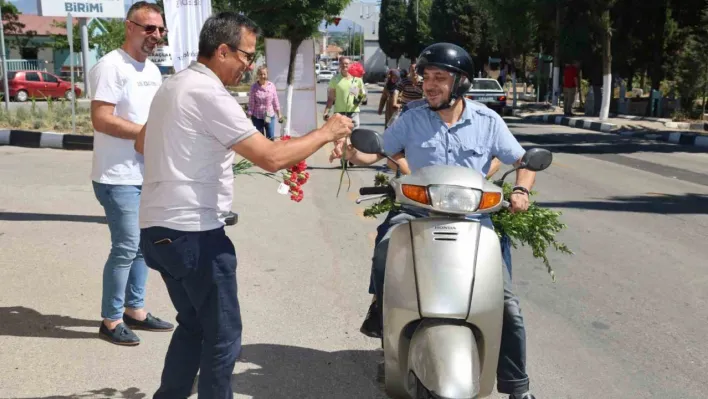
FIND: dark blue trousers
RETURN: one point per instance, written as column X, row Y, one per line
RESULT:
column 199, row 270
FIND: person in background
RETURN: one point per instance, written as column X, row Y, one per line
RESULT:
column 125, row 82
column 408, row 89
column 193, row 133
column 263, row 104
column 386, row 102
column 346, row 92
column 571, row 85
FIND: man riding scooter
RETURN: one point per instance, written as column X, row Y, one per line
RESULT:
column 451, row 130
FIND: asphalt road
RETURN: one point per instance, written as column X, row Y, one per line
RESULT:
column 626, row 317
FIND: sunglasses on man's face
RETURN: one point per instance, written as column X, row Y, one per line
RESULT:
column 150, row 29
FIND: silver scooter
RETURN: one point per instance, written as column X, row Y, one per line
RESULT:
column 443, row 290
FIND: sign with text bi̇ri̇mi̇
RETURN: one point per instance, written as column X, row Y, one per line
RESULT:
column 85, row 9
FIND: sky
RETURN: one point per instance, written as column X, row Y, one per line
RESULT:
column 30, row 7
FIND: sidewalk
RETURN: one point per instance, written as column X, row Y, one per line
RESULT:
column 660, row 129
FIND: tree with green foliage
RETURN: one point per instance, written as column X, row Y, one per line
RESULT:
column 417, row 26
column 464, row 23
column 10, row 20
column 392, row 28
column 692, row 66
column 514, row 29
column 112, row 38
column 61, row 42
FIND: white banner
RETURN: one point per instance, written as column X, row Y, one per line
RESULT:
column 184, row 19
column 303, row 112
column 162, row 56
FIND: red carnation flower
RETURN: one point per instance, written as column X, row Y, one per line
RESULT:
column 356, row 70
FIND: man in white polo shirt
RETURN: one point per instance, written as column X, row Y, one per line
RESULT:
column 125, row 82
column 194, row 129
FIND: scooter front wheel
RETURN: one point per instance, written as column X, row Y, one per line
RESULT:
column 421, row 392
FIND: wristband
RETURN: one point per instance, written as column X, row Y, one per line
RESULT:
column 521, row 189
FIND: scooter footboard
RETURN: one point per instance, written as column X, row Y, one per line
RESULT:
column 445, row 358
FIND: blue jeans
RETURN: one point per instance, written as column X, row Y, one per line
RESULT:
column 266, row 128
column 511, row 368
column 125, row 273
column 199, row 270
column 506, row 252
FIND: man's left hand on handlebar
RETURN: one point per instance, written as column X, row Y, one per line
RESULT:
column 519, row 202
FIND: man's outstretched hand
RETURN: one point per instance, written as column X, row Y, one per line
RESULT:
column 338, row 127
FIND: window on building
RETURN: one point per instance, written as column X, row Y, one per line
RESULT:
column 29, row 53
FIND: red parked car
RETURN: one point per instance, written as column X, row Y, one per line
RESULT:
column 24, row 85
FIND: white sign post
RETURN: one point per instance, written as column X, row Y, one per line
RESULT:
column 185, row 19
column 70, row 37
column 83, row 10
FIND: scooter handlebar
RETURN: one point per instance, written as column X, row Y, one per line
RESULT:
column 374, row 190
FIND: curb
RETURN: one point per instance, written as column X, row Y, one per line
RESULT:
column 687, row 126
column 31, row 139
column 574, row 122
column 676, row 137
column 683, row 138
column 640, row 118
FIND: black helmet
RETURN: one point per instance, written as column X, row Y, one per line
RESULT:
column 452, row 58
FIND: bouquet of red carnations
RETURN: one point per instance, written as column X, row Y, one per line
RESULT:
column 295, row 177
column 292, row 178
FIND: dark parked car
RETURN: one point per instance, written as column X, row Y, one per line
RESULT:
column 489, row 93
column 24, row 85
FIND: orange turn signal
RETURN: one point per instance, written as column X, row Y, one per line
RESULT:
column 416, row 193
column 489, row 200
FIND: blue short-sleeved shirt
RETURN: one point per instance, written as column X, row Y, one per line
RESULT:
column 473, row 141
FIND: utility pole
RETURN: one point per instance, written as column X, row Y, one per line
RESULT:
column 6, row 93
column 416, row 14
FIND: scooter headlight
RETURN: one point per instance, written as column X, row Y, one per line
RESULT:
column 454, row 198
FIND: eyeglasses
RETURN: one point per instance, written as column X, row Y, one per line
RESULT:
column 150, row 29
column 250, row 57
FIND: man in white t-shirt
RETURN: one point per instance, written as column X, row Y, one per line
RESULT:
column 124, row 83
column 194, row 129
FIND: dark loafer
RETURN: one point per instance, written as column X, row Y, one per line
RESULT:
column 151, row 323
column 372, row 325
column 121, row 335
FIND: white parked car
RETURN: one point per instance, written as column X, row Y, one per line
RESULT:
column 325, row 76
column 489, row 93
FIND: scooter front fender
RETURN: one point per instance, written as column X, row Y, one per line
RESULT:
column 445, row 358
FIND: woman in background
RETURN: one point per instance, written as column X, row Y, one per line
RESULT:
column 263, row 104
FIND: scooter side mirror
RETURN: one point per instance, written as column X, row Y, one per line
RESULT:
column 367, row 141
column 536, row 159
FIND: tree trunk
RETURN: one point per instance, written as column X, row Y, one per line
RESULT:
column 294, row 45
column 606, row 66
column 656, row 73
column 705, row 91
column 556, row 56
column 513, row 82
